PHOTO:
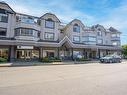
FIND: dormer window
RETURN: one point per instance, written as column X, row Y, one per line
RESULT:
column 49, row 23
column 99, row 33
column 3, row 31
column 76, row 28
column 3, row 16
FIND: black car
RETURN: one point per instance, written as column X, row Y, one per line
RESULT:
column 111, row 59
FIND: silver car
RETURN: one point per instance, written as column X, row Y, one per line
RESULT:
column 111, row 59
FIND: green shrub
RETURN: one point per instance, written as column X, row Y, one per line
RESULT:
column 81, row 59
column 50, row 59
column 46, row 59
column 3, row 59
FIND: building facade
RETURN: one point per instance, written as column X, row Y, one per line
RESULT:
column 25, row 37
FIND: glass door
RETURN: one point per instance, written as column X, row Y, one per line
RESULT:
column 28, row 54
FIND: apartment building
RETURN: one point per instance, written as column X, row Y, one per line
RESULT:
column 25, row 37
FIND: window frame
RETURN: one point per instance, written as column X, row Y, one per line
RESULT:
column 99, row 33
column 50, row 20
column 88, row 41
column 74, row 26
column 5, row 32
column 4, row 16
column 20, row 32
column 98, row 41
column 49, row 38
column 75, row 40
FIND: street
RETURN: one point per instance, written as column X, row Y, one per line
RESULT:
column 76, row 79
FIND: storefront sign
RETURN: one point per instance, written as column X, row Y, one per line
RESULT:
column 25, row 47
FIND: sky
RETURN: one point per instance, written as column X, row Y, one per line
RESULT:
column 104, row 12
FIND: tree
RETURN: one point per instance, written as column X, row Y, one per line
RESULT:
column 124, row 50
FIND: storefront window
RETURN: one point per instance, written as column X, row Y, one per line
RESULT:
column 27, row 54
column 4, row 53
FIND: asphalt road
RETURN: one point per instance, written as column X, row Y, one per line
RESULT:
column 78, row 79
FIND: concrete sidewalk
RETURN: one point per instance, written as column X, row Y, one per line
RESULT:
column 41, row 63
column 5, row 64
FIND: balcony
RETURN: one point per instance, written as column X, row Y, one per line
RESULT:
column 27, row 25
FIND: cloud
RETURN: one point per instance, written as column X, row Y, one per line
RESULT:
column 105, row 12
column 116, row 18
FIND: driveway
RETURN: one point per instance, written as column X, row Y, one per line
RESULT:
column 77, row 79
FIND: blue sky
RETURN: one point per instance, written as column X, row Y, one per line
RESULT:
column 105, row 12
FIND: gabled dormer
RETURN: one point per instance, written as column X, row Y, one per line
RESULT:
column 7, row 17
column 50, row 27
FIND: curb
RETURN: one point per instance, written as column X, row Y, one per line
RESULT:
column 5, row 64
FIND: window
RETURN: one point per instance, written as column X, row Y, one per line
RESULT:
column 76, row 28
column 49, row 23
column 99, row 33
column 49, row 36
column 77, row 54
column 24, row 32
column 116, row 43
column 90, row 43
column 4, row 52
column 115, row 35
column 3, row 31
column 89, row 39
column 76, row 38
column 27, row 19
column 3, row 18
column 100, row 41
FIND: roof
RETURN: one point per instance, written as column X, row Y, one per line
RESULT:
column 4, row 3
column 112, row 29
column 52, row 15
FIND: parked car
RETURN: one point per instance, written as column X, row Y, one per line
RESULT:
column 111, row 59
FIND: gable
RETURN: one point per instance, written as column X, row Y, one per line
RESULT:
column 50, row 15
column 6, row 7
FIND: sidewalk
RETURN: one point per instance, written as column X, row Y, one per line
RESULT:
column 40, row 63
column 5, row 64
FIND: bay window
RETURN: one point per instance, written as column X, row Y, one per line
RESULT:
column 26, row 32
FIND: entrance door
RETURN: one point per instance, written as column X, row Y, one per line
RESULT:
column 24, row 54
column 28, row 54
